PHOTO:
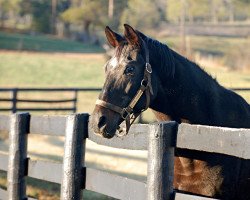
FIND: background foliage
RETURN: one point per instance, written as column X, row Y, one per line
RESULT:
column 141, row 13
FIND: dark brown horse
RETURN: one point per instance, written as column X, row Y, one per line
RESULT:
column 146, row 73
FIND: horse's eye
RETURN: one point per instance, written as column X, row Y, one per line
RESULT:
column 129, row 58
column 129, row 70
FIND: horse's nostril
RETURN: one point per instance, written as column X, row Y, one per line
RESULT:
column 102, row 121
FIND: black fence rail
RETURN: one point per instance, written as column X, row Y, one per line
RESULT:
column 14, row 100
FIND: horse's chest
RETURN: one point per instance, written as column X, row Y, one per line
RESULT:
column 195, row 176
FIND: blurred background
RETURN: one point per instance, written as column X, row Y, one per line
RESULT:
column 61, row 44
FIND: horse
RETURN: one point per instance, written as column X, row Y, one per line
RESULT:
column 144, row 73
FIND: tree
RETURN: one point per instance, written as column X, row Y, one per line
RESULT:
column 89, row 13
column 194, row 9
column 242, row 8
column 173, row 10
column 119, row 6
column 197, row 9
column 141, row 14
column 3, row 10
column 9, row 9
column 40, row 11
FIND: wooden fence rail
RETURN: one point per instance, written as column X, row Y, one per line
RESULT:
column 157, row 138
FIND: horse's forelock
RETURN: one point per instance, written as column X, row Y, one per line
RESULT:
column 119, row 49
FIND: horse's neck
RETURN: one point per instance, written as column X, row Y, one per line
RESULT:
column 164, row 102
column 172, row 90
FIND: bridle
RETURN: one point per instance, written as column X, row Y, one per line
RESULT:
column 128, row 113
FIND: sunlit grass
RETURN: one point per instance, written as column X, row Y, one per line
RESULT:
column 51, row 70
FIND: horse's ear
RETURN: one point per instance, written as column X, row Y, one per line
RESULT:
column 113, row 38
column 131, row 35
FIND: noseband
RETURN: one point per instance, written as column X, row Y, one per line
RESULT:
column 128, row 113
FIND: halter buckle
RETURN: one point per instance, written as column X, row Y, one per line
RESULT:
column 125, row 113
column 144, row 83
column 148, row 68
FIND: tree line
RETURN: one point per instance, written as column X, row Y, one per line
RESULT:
column 83, row 17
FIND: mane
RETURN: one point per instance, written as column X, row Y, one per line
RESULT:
column 119, row 49
column 194, row 65
column 167, row 57
column 162, row 54
column 164, row 58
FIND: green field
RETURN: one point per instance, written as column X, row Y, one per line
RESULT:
column 14, row 41
column 51, row 70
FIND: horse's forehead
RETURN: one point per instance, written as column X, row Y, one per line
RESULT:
column 120, row 57
column 114, row 62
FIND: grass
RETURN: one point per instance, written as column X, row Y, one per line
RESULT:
column 14, row 41
column 213, row 45
column 51, row 70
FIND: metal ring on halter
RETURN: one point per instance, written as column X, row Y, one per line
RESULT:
column 144, row 81
column 124, row 111
column 120, row 132
column 148, row 68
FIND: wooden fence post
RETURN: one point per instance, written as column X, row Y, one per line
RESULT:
column 17, row 166
column 161, row 160
column 14, row 100
column 73, row 177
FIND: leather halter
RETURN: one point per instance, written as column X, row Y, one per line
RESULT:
column 127, row 113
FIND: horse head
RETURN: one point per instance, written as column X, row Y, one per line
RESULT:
column 128, row 88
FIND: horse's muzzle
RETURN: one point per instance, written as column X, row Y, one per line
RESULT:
column 102, row 126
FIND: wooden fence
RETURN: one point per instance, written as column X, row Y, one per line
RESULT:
column 73, row 108
column 15, row 99
column 158, row 138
